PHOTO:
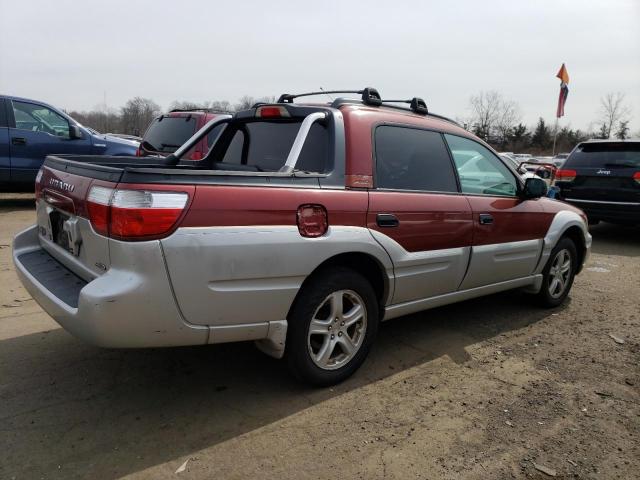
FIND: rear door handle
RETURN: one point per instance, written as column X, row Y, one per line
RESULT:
column 486, row 219
column 387, row 220
column 18, row 140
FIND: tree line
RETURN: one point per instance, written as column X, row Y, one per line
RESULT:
column 492, row 117
column 498, row 121
column 137, row 113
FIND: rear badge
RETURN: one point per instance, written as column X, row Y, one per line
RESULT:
column 603, row 172
column 59, row 184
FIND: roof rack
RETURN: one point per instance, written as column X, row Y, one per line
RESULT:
column 370, row 96
column 198, row 109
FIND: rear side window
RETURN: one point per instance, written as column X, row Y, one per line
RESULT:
column 607, row 155
column 412, row 159
column 167, row 134
column 265, row 145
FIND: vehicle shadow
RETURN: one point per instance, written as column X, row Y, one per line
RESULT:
column 68, row 410
column 610, row 239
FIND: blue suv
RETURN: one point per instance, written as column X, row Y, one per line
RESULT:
column 31, row 130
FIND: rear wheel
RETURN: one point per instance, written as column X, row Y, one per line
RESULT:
column 331, row 327
column 558, row 274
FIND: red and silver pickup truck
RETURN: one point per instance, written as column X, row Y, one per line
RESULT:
column 302, row 228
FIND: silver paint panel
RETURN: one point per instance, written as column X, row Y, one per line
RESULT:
column 406, row 308
column 562, row 221
column 244, row 275
column 501, row 262
column 129, row 306
column 424, row 274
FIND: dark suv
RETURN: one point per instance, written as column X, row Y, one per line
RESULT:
column 169, row 131
column 602, row 177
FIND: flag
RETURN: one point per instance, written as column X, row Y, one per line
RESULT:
column 563, row 75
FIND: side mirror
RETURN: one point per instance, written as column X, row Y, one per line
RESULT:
column 534, row 188
column 75, row 132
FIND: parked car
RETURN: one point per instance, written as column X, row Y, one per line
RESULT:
column 602, row 177
column 30, row 130
column 302, row 228
column 559, row 159
column 132, row 138
column 169, row 131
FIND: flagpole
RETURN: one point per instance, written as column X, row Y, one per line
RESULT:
column 555, row 136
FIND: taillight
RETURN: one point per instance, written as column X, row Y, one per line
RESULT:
column 272, row 112
column 636, row 177
column 134, row 214
column 98, row 206
column 139, row 152
column 312, row 220
column 566, row 175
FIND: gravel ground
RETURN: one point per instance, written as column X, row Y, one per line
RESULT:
column 487, row 389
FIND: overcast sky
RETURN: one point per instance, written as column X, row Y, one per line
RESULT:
column 70, row 53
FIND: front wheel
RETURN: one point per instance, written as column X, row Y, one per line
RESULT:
column 558, row 274
column 331, row 328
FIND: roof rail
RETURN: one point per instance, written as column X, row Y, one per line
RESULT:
column 198, row 109
column 370, row 96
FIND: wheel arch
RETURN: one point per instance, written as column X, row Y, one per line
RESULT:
column 364, row 263
column 576, row 235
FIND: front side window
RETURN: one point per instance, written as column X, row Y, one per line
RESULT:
column 412, row 159
column 480, row 171
column 38, row 118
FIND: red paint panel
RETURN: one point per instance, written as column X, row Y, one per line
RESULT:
column 219, row 205
column 359, row 122
column 58, row 183
column 427, row 221
column 513, row 219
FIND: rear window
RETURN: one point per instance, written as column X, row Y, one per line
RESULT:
column 167, row 134
column 264, row 146
column 597, row 155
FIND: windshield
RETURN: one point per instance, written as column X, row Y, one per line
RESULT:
column 598, row 155
column 167, row 134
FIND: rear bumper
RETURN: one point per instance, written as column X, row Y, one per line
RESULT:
column 616, row 212
column 122, row 308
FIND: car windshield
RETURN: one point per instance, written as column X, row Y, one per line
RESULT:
column 167, row 134
column 598, row 155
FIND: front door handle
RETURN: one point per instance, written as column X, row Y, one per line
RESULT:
column 18, row 140
column 486, row 219
column 387, row 220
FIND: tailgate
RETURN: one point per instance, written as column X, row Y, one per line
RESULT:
column 604, row 184
column 64, row 230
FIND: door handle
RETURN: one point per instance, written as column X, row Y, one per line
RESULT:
column 486, row 219
column 18, row 140
column 387, row 220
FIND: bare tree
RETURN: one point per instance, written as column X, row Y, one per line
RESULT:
column 484, row 110
column 612, row 111
column 507, row 118
column 492, row 114
column 137, row 113
column 221, row 106
column 186, row 105
column 245, row 102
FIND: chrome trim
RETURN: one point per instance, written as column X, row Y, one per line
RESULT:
column 298, row 143
column 196, row 137
column 601, row 202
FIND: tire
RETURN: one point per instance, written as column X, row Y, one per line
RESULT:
column 347, row 344
column 556, row 282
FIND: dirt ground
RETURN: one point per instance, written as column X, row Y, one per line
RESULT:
column 488, row 389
